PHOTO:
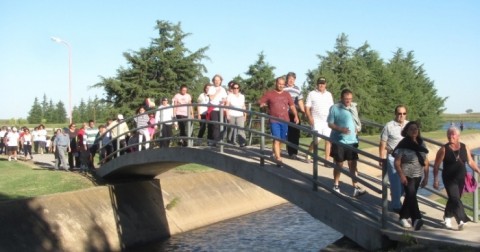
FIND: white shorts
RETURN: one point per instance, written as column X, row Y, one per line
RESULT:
column 322, row 128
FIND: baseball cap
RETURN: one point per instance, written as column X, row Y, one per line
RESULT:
column 321, row 80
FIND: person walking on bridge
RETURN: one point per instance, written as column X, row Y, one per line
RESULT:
column 318, row 105
column 278, row 103
column 454, row 155
column 293, row 134
column 389, row 138
column 345, row 124
column 164, row 118
column 182, row 112
column 142, row 121
column 411, row 162
column 218, row 96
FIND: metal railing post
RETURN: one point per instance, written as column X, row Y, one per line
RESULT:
column 315, row 161
column 262, row 141
column 189, row 126
column 117, row 140
column 221, row 130
column 475, row 193
column 384, row 193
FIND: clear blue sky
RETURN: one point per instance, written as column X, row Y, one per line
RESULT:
column 444, row 36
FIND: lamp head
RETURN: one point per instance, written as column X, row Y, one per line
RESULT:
column 55, row 39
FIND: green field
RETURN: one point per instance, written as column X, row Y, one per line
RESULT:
column 23, row 180
column 472, row 117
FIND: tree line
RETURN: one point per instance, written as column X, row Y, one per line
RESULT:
column 159, row 70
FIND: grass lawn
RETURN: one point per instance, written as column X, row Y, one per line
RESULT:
column 23, row 180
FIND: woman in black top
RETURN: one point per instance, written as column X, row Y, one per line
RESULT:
column 454, row 156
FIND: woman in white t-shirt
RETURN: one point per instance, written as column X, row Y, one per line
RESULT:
column 12, row 139
column 182, row 112
column 235, row 117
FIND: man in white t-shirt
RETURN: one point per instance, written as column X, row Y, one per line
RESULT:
column 318, row 104
column 164, row 117
column 218, row 96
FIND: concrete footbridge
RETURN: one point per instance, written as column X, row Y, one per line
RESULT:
column 366, row 219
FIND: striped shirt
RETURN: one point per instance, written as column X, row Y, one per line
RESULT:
column 295, row 93
column 91, row 134
column 142, row 120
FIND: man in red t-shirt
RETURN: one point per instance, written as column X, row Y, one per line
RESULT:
column 278, row 103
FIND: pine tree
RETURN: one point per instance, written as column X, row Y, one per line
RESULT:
column 261, row 78
column 156, row 71
column 35, row 114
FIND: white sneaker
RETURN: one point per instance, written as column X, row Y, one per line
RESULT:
column 448, row 223
column 405, row 223
column 358, row 192
column 9, row 158
column 336, row 188
column 461, row 225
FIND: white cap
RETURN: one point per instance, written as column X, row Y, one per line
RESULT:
column 120, row 117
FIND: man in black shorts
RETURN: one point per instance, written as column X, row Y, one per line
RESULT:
column 345, row 124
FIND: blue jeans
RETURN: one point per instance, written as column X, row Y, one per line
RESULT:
column 396, row 187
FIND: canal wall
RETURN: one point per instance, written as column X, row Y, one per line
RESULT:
column 112, row 218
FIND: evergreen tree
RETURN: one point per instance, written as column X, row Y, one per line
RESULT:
column 379, row 87
column 413, row 88
column 49, row 113
column 261, row 78
column 60, row 113
column 44, row 106
column 35, row 114
column 156, row 71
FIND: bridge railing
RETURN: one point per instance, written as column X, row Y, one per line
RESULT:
column 258, row 149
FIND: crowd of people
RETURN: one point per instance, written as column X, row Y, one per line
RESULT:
column 15, row 142
column 402, row 150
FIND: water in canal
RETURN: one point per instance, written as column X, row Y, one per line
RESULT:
column 282, row 228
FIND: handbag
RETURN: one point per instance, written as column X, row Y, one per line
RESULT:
column 470, row 183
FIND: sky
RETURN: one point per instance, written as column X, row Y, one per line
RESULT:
column 443, row 35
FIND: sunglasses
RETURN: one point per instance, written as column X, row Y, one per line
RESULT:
column 401, row 113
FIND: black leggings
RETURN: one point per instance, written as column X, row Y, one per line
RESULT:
column 454, row 207
column 410, row 203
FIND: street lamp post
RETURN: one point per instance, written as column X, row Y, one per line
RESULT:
column 58, row 40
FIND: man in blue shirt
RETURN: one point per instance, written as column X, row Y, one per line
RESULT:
column 345, row 124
